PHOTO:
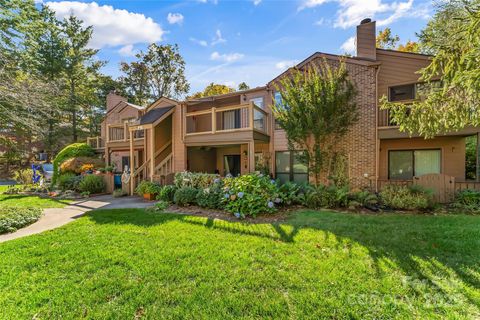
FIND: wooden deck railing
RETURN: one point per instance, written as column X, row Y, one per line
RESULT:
column 459, row 185
column 227, row 119
column 96, row 142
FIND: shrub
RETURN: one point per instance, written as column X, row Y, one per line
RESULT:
column 406, row 198
column 145, row 187
column 251, row 194
column 92, row 183
column 363, row 199
column 69, row 181
column 167, row 193
column 70, row 151
column 185, row 196
column 194, row 179
column 24, row 176
column 467, row 200
column 118, row 193
column 292, row 193
column 80, row 164
column 322, row 196
column 13, row 218
column 211, row 197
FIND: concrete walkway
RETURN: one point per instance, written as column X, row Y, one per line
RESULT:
column 57, row 217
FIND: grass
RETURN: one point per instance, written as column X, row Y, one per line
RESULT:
column 128, row 264
column 24, row 201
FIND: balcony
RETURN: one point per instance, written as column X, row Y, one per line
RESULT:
column 235, row 123
column 119, row 133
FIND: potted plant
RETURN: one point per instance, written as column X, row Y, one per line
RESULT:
column 148, row 190
column 109, row 169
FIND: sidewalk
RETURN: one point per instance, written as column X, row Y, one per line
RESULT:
column 57, row 217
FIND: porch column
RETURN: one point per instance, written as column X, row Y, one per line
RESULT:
column 152, row 152
column 251, row 156
column 132, row 165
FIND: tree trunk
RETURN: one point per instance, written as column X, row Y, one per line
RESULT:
column 74, row 111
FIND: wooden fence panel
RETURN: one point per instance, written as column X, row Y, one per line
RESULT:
column 443, row 186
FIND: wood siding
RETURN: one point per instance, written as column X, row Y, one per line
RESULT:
column 397, row 69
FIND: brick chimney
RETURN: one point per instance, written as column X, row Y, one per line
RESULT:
column 366, row 44
column 113, row 99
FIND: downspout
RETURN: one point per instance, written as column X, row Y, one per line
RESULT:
column 377, row 144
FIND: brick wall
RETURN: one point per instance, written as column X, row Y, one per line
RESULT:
column 359, row 144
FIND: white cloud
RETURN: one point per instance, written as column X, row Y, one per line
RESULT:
column 349, row 46
column 311, row 4
column 127, row 51
column 256, row 2
column 351, row 12
column 218, row 38
column 203, row 43
column 112, row 27
column 173, row 18
column 285, row 64
column 230, row 57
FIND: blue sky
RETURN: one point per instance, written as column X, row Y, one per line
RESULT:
column 225, row 41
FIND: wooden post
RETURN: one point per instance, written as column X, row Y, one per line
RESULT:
column 132, row 165
column 214, row 120
column 251, row 116
column 251, row 156
column 152, row 152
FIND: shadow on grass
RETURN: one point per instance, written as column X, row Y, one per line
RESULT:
column 15, row 197
column 441, row 252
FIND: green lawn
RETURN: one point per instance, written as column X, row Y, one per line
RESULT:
column 29, row 201
column 125, row 264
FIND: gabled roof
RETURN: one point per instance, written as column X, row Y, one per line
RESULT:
column 225, row 95
column 153, row 115
column 123, row 104
column 160, row 100
column 354, row 60
column 404, row 54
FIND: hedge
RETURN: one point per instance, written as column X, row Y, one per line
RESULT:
column 71, row 151
column 13, row 218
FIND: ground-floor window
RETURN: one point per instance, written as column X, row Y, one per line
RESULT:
column 405, row 164
column 288, row 168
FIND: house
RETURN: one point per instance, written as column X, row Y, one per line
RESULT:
column 236, row 132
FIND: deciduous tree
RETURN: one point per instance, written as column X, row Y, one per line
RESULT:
column 453, row 36
column 316, row 108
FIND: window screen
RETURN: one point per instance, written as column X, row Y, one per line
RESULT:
column 405, row 92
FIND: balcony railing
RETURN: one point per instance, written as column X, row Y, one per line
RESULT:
column 119, row 132
column 95, row 142
column 227, row 119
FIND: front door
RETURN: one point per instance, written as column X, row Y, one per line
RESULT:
column 232, row 164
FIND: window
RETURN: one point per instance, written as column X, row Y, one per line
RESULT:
column 278, row 100
column 288, row 168
column 405, row 164
column 258, row 102
column 404, row 92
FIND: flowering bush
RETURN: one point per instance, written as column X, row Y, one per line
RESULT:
column 251, row 194
column 87, row 167
column 194, row 179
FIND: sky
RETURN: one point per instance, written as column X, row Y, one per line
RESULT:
column 227, row 41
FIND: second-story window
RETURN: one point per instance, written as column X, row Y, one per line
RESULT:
column 402, row 93
column 258, row 102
